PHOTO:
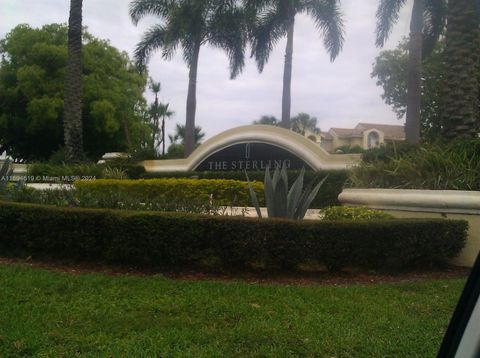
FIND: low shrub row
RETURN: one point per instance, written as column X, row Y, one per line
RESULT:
column 72, row 198
column 222, row 192
column 353, row 213
column 327, row 196
column 181, row 240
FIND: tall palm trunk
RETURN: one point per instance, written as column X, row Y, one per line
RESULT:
column 163, row 135
column 287, row 77
column 72, row 121
column 460, row 99
column 414, row 82
column 155, row 123
column 191, row 102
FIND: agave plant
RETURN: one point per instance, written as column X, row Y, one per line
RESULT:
column 282, row 202
column 6, row 171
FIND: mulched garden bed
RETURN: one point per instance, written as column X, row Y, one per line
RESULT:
column 310, row 277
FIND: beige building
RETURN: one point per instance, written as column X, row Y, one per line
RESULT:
column 364, row 135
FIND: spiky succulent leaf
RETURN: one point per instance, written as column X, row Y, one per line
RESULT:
column 284, row 176
column 269, row 193
column 307, row 199
column 253, row 196
column 294, row 195
column 276, row 178
column 280, row 197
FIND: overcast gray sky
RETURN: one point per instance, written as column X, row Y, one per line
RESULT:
column 339, row 94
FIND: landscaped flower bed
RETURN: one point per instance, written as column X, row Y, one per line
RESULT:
column 178, row 239
column 327, row 195
column 205, row 196
column 223, row 192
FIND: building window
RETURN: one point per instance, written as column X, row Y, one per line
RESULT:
column 373, row 140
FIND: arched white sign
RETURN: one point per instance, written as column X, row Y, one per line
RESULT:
column 297, row 145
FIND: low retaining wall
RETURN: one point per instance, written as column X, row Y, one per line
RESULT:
column 402, row 203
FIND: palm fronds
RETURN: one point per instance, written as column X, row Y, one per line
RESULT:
column 271, row 26
column 157, row 37
column 387, row 15
column 141, row 8
column 329, row 21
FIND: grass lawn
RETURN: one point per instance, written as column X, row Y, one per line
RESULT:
column 52, row 314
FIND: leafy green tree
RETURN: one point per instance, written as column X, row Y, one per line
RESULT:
column 175, row 151
column 460, row 107
column 390, row 70
column 426, row 25
column 72, row 122
column 276, row 19
column 189, row 25
column 32, row 75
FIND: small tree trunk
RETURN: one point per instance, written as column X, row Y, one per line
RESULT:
column 72, row 121
column 191, row 103
column 414, row 84
column 287, row 77
column 460, row 112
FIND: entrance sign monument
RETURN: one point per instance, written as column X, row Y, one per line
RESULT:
column 255, row 147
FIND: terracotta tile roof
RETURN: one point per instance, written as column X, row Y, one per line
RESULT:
column 390, row 131
column 346, row 132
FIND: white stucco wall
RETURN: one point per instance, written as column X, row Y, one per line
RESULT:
column 446, row 204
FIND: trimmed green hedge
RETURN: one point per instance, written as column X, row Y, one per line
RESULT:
column 327, row 196
column 224, row 192
column 172, row 239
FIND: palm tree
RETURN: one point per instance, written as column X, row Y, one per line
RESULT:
column 303, row 122
column 276, row 19
column 461, row 87
column 180, row 135
column 156, row 111
column 426, row 25
column 165, row 113
column 154, row 115
column 189, row 25
column 173, row 138
column 72, row 121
